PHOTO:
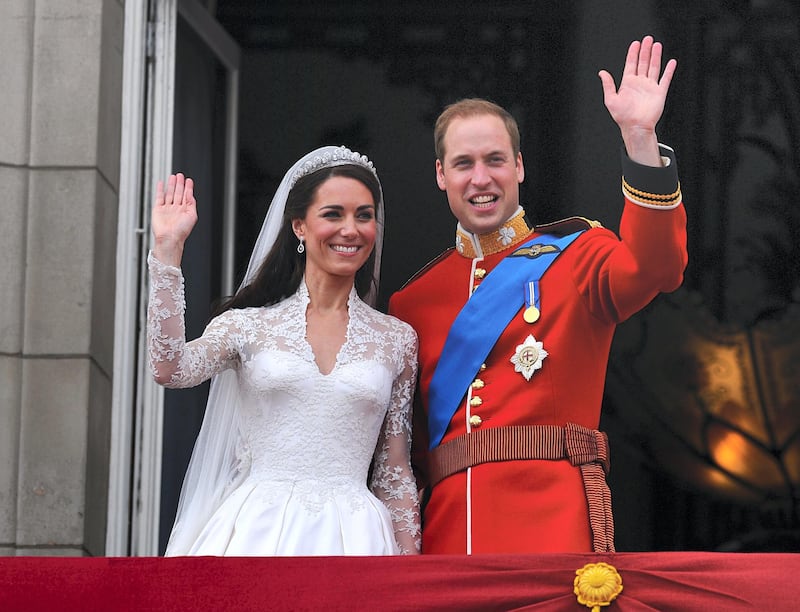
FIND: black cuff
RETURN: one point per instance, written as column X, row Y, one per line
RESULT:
column 662, row 181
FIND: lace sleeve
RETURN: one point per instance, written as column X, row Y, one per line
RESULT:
column 174, row 362
column 392, row 479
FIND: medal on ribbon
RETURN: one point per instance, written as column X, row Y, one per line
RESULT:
column 531, row 313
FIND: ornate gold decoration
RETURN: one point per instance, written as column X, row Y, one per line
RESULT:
column 596, row 585
column 653, row 199
column 513, row 231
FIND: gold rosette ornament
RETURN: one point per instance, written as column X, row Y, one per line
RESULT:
column 597, row 585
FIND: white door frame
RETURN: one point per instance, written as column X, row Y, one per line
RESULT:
column 146, row 152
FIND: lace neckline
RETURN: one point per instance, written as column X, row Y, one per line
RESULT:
column 303, row 299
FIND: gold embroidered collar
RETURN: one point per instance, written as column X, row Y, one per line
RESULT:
column 512, row 232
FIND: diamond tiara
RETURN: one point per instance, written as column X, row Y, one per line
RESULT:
column 337, row 157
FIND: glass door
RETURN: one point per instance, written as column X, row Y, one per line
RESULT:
column 187, row 121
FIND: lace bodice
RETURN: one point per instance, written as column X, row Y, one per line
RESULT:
column 313, row 432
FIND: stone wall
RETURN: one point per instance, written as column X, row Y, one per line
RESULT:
column 59, row 175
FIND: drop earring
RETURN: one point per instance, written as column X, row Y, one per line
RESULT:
column 301, row 247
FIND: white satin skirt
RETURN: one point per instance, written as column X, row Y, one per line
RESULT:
column 296, row 519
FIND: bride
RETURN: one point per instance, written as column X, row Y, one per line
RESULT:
column 311, row 387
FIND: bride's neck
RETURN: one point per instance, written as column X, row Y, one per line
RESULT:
column 329, row 294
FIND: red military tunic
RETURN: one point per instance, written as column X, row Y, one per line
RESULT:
column 538, row 505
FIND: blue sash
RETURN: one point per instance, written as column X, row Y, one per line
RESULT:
column 481, row 321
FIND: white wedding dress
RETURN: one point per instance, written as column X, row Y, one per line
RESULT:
column 303, row 441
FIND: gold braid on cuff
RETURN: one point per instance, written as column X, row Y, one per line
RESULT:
column 654, row 199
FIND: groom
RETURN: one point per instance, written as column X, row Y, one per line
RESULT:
column 515, row 325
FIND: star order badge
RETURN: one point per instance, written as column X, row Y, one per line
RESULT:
column 529, row 357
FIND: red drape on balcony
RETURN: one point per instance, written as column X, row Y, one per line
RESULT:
column 651, row 581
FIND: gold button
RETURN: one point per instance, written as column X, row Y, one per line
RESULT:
column 480, row 273
column 478, row 384
column 475, row 401
column 483, row 367
column 475, row 420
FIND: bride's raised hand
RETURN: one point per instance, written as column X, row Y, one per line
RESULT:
column 173, row 217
